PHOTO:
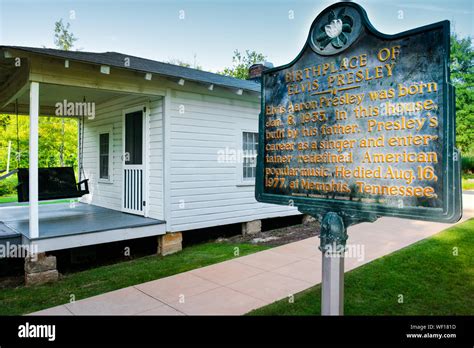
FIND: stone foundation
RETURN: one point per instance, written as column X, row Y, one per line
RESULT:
column 307, row 219
column 170, row 243
column 40, row 269
column 251, row 227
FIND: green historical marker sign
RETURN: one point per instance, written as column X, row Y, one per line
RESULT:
column 362, row 123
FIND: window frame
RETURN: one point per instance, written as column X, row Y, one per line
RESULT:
column 241, row 181
column 105, row 130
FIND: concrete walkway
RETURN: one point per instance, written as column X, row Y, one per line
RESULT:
column 237, row 286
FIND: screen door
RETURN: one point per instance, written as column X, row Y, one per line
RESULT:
column 133, row 163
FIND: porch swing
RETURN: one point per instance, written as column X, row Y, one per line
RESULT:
column 54, row 182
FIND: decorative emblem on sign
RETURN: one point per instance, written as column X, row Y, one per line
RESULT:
column 335, row 29
column 334, row 32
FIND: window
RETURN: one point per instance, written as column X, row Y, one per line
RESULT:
column 105, row 154
column 249, row 147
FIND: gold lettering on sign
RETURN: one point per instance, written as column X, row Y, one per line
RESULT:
column 349, row 128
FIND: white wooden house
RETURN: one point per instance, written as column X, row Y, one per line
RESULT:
column 163, row 144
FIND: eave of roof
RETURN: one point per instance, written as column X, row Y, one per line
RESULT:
column 144, row 65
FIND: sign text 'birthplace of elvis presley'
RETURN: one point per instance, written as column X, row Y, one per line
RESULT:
column 362, row 123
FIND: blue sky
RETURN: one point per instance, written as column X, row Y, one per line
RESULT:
column 210, row 29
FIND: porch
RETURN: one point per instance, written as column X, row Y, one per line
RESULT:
column 116, row 114
column 64, row 225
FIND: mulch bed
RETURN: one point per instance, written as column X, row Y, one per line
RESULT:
column 279, row 236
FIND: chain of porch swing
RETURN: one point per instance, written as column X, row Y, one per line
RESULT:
column 81, row 145
column 18, row 154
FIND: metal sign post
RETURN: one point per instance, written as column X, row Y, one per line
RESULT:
column 333, row 245
column 333, row 237
column 332, row 297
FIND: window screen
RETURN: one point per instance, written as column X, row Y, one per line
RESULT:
column 104, row 149
column 133, row 138
column 249, row 144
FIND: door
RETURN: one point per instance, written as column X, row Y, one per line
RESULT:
column 134, row 162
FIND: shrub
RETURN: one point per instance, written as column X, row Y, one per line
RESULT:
column 467, row 164
column 8, row 185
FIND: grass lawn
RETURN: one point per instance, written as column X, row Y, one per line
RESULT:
column 468, row 185
column 22, row 300
column 431, row 279
column 8, row 199
column 14, row 198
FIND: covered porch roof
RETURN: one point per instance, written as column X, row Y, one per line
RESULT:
column 139, row 64
column 51, row 94
column 108, row 72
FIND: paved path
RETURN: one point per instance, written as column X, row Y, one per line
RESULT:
column 237, row 286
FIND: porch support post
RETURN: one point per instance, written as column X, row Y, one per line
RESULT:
column 33, row 162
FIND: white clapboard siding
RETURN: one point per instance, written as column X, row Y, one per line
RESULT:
column 204, row 192
column 110, row 114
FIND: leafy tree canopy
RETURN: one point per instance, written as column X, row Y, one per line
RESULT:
column 63, row 38
column 54, row 142
column 462, row 76
column 177, row 61
column 242, row 62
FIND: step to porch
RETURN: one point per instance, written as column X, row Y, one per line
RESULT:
column 8, row 237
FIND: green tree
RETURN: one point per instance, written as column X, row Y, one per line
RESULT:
column 63, row 38
column 462, row 76
column 242, row 63
column 4, row 120
column 177, row 61
column 50, row 142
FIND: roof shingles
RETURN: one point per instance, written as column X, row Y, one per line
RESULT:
column 115, row 59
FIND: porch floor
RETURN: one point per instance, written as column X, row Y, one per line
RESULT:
column 63, row 219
